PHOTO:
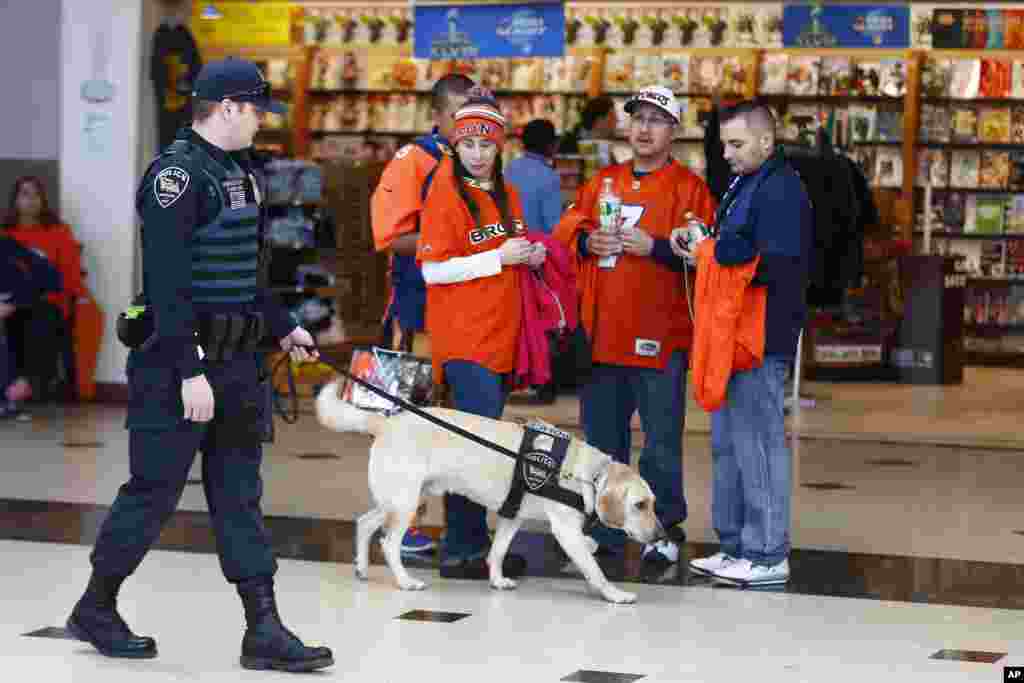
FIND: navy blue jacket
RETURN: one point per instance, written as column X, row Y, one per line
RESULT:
column 25, row 275
column 768, row 213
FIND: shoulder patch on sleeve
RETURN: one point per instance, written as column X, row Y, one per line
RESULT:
column 404, row 152
column 169, row 184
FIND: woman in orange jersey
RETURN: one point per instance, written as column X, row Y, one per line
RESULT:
column 470, row 248
column 34, row 331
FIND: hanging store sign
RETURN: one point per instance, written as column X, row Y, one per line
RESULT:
column 845, row 26
column 478, row 31
column 242, row 24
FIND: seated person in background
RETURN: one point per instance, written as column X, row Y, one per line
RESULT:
column 24, row 278
column 32, row 223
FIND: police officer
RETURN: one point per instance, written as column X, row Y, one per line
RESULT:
column 194, row 384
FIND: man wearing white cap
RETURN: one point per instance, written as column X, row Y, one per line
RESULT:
column 634, row 311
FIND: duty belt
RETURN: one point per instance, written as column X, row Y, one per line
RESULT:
column 222, row 335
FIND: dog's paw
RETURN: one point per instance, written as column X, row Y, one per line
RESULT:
column 411, row 584
column 617, row 596
column 503, row 583
column 362, row 574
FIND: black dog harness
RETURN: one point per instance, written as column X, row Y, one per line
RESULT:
column 538, row 470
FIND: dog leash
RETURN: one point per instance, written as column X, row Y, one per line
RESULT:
column 590, row 519
column 402, row 403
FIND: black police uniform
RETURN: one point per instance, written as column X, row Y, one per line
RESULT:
column 201, row 213
column 195, row 200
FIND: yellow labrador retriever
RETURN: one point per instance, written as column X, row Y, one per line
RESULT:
column 412, row 457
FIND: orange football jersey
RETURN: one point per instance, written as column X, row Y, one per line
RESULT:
column 399, row 195
column 641, row 315
column 478, row 320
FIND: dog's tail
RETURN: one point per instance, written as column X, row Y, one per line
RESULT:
column 341, row 416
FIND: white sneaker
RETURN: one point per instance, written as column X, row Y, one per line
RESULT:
column 710, row 565
column 745, row 573
column 662, row 551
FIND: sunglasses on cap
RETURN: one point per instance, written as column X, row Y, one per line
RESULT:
column 263, row 91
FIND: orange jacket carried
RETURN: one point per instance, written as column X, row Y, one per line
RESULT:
column 641, row 301
column 729, row 327
column 477, row 320
column 60, row 247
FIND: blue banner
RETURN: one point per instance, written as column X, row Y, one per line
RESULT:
column 821, row 25
column 479, row 31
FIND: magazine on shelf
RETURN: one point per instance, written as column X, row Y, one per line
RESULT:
column 774, row 73
column 935, row 77
column 888, row 167
column 933, row 167
column 864, row 156
column 1016, row 181
column 893, row 77
column 1015, row 219
column 705, row 74
column 835, row 76
column 675, row 73
column 802, row 75
column 647, row 71
column 734, row 77
column 965, row 79
column 964, row 168
column 863, row 122
column 1017, row 79
column 994, row 171
column 954, row 208
column 996, row 78
column 964, row 120
column 1017, row 124
column 867, row 78
column 618, row 72
column 889, row 125
column 801, row 123
column 936, row 123
column 990, row 215
column 994, row 123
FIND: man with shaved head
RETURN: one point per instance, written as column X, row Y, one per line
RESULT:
column 765, row 214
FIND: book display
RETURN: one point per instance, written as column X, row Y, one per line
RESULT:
column 934, row 108
column 971, row 150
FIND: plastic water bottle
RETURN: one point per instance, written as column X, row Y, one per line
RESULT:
column 609, row 207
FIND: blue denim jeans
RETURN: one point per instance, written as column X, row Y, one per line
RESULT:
column 607, row 404
column 479, row 391
column 752, row 466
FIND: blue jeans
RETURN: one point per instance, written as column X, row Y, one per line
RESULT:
column 607, row 404
column 753, row 466
column 479, row 391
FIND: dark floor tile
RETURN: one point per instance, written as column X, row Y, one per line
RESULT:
column 317, row 456
column 51, row 632
column 828, row 486
column 974, row 656
column 589, row 676
column 430, row 615
column 892, row 462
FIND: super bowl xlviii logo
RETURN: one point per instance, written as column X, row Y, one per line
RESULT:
column 522, row 28
column 815, row 34
column 454, row 44
column 537, row 469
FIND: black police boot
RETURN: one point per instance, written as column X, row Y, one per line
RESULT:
column 267, row 643
column 96, row 621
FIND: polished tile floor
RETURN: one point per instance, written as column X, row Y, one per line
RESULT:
column 908, row 526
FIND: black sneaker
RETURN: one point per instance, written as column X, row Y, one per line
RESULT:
column 476, row 569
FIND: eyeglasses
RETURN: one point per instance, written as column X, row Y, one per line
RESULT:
column 262, row 91
column 651, row 121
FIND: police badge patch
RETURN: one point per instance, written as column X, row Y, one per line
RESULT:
column 169, row 185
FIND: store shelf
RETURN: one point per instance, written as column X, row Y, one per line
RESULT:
column 993, row 327
column 832, row 98
column 972, row 145
column 969, row 235
column 394, row 133
column 334, row 92
column 878, row 143
column 975, row 101
column 973, row 190
column 1000, row 359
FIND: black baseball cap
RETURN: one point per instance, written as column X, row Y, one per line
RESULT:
column 235, row 79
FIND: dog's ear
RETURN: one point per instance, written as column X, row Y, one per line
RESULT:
column 611, row 505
